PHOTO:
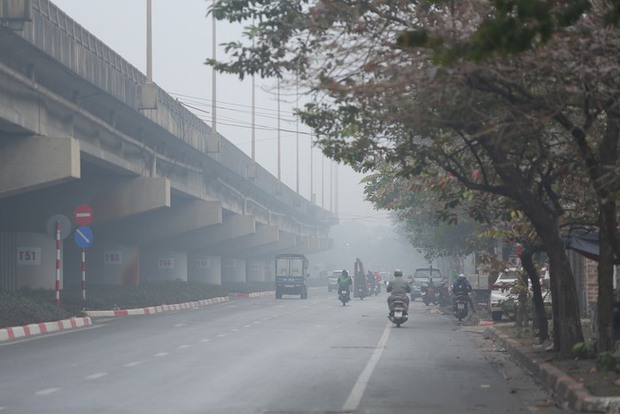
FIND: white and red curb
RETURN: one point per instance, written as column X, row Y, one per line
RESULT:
column 255, row 294
column 156, row 309
column 17, row 332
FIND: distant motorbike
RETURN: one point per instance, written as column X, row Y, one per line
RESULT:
column 343, row 296
column 360, row 292
column 460, row 309
column 399, row 312
column 376, row 289
column 443, row 296
column 429, row 295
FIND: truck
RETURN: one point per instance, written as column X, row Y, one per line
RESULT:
column 291, row 273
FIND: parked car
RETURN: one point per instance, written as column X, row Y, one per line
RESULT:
column 421, row 278
column 504, row 293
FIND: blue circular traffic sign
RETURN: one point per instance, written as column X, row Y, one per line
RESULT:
column 83, row 237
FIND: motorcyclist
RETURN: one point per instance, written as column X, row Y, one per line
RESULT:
column 345, row 282
column 462, row 286
column 370, row 279
column 398, row 287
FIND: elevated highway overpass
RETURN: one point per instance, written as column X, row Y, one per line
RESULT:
column 171, row 198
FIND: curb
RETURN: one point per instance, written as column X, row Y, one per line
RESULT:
column 255, row 294
column 17, row 332
column 156, row 309
column 569, row 392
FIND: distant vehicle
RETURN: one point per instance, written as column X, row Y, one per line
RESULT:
column 332, row 280
column 291, row 272
column 504, row 296
column 421, row 278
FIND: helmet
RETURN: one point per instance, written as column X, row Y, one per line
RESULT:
column 398, row 272
column 461, row 275
column 345, row 273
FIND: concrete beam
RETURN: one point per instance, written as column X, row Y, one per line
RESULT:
column 265, row 234
column 33, row 163
column 286, row 241
column 231, row 227
column 131, row 197
column 165, row 222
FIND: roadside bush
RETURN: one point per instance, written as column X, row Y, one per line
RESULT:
column 27, row 306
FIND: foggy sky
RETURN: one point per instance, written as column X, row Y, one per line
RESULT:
column 181, row 42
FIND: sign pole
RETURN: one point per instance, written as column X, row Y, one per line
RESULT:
column 84, row 274
column 58, row 263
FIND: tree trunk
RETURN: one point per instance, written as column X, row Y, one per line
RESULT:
column 605, row 314
column 540, row 315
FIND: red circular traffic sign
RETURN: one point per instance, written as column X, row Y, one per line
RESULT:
column 83, row 214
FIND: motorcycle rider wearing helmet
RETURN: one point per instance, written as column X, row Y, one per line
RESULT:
column 398, row 287
column 344, row 282
column 462, row 287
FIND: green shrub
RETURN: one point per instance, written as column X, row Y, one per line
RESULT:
column 27, row 306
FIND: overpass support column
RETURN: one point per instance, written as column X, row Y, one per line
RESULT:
column 233, row 270
column 162, row 265
column 203, row 268
column 257, row 270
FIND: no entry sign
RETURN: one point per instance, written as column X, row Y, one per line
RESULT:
column 83, row 215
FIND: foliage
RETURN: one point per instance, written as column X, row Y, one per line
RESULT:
column 511, row 98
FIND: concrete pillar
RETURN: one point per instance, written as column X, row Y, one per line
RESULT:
column 233, row 270
column 204, row 268
column 162, row 265
column 256, row 270
column 121, row 265
column 34, row 255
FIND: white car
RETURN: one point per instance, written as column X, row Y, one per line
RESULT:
column 503, row 292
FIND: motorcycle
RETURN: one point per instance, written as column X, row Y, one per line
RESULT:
column 399, row 312
column 343, row 296
column 360, row 292
column 429, row 296
column 460, row 309
column 443, row 296
column 376, row 289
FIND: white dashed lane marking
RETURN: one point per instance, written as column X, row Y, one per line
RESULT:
column 160, row 354
column 132, row 364
column 183, row 346
column 97, row 375
column 48, row 391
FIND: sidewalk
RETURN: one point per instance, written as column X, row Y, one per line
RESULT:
column 568, row 392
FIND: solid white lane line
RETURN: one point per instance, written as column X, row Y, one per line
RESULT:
column 357, row 392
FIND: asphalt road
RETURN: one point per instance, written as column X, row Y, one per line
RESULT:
column 262, row 355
